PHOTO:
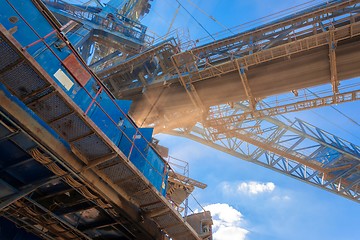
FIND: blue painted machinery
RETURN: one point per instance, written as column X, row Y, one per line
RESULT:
column 86, row 92
column 74, row 165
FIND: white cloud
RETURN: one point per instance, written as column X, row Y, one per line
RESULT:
column 230, row 233
column 227, row 222
column 255, row 188
column 285, row 198
column 250, row 188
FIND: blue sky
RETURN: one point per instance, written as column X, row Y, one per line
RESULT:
column 248, row 201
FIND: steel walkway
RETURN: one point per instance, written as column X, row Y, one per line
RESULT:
column 60, row 111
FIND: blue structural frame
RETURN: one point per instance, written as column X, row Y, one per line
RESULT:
column 112, row 180
column 28, row 187
column 106, row 19
column 66, row 100
column 296, row 149
column 90, row 95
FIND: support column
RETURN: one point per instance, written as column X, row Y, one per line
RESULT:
column 332, row 57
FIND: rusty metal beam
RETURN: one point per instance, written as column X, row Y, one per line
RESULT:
column 101, row 160
column 157, row 212
column 178, row 178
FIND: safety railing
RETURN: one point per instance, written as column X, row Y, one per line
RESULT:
column 128, row 142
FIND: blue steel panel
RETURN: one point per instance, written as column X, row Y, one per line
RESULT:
column 11, row 154
column 109, row 127
column 124, row 105
column 125, row 141
column 100, row 106
column 22, row 141
column 26, row 9
column 158, row 173
column 81, row 96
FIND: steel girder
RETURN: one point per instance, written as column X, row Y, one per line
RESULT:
column 207, row 61
column 296, row 149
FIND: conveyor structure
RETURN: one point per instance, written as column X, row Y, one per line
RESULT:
column 96, row 175
column 74, row 165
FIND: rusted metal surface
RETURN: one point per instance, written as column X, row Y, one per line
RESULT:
column 77, row 70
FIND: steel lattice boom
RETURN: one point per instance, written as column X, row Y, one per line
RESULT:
column 297, row 149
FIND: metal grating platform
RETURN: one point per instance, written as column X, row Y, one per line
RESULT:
column 70, row 127
column 116, row 172
column 22, row 79
column 92, row 147
column 50, row 107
